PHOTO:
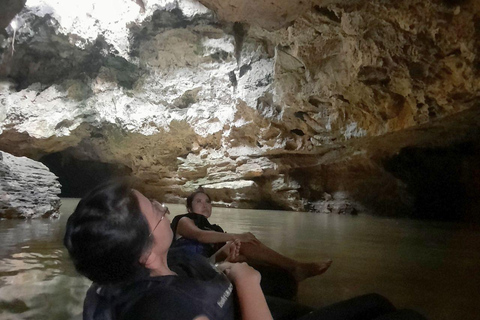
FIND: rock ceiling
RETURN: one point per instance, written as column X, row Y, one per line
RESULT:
column 286, row 104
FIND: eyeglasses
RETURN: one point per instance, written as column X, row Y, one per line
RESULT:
column 161, row 210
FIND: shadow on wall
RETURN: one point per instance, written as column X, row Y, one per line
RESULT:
column 76, row 176
column 445, row 182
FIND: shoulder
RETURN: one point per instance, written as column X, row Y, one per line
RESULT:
column 180, row 217
column 177, row 219
column 186, row 218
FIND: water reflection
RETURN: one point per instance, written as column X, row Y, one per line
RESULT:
column 430, row 267
column 36, row 279
column 427, row 266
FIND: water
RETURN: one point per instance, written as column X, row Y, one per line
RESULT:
column 428, row 266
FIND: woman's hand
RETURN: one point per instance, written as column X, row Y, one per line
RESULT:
column 229, row 252
column 247, row 237
column 253, row 305
column 240, row 272
column 233, row 250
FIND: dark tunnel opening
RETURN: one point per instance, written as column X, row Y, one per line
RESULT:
column 78, row 176
column 444, row 182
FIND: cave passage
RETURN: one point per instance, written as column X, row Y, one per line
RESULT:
column 76, row 176
column 443, row 181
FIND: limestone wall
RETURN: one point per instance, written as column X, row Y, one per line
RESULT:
column 286, row 107
column 27, row 189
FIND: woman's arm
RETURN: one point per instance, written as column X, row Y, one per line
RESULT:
column 253, row 305
column 187, row 228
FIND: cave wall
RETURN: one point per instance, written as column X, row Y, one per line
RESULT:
column 78, row 176
column 304, row 108
column 27, row 189
column 10, row 8
column 443, row 180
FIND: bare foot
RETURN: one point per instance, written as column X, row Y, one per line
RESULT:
column 305, row 270
column 229, row 252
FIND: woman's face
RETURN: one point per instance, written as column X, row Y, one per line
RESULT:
column 159, row 223
column 201, row 204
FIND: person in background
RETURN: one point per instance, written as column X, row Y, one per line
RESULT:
column 194, row 233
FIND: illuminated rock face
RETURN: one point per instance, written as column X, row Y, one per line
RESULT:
column 270, row 15
column 299, row 109
column 27, row 189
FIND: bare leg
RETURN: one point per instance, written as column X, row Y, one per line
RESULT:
column 300, row 270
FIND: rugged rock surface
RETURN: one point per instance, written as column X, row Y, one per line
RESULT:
column 27, row 189
column 315, row 99
column 271, row 15
column 9, row 9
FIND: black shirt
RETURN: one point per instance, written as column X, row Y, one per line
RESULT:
column 192, row 246
column 198, row 289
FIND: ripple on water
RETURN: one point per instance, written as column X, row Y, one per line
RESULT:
column 37, row 280
column 430, row 267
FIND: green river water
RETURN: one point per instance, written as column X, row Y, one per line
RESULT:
column 431, row 267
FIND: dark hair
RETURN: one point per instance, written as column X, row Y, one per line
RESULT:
column 191, row 196
column 107, row 234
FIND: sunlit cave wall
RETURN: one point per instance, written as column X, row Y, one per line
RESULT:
column 332, row 106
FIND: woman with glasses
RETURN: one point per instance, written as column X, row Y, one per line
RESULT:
column 120, row 240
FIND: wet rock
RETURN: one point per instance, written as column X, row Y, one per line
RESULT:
column 27, row 189
column 339, row 204
column 243, row 193
column 257, row 167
